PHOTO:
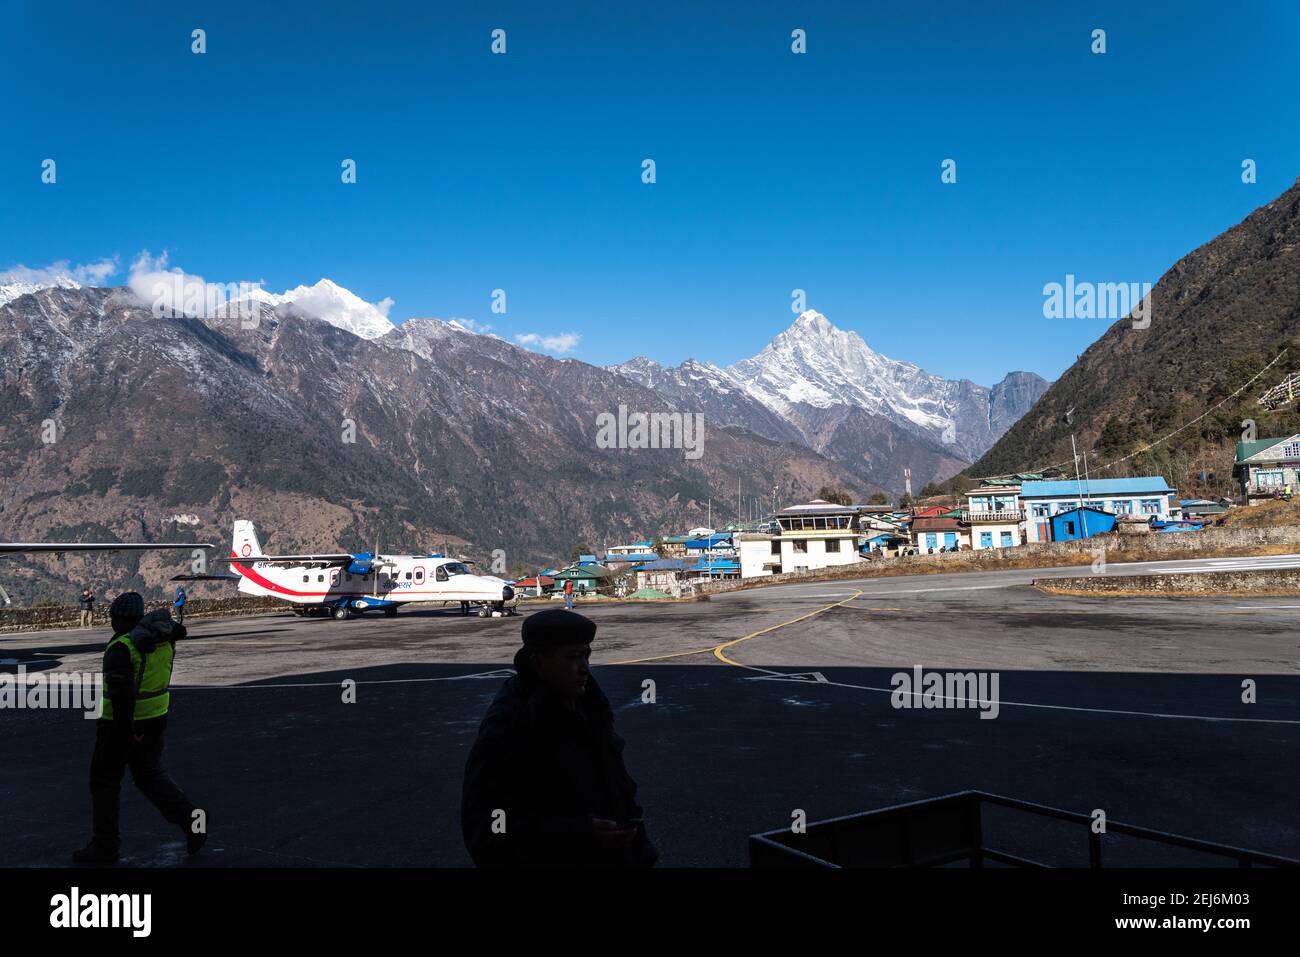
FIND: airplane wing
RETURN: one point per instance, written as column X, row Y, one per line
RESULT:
column 205, row 578
column 325, row 560
column 22, row 547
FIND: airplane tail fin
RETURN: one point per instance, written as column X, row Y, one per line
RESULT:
column 245, row 544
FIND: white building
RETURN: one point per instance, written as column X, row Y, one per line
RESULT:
column 995, row 517
column 1144, row 497
column 815, row 535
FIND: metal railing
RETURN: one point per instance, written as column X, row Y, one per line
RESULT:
column 948, row 829
column 992, row 515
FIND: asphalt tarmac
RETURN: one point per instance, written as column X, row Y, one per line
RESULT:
column 766, row 702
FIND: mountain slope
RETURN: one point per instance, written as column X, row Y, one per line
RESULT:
column 1218, row 316
column 827, row 388
column 427, row 435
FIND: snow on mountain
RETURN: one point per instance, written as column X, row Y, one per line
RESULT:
column 9, row 291
column 813, row 366
column 816, row 364
column 332, row 303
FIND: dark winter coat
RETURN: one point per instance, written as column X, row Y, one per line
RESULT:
column 551, row 769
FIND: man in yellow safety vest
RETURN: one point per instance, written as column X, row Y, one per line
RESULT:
column 135, row 699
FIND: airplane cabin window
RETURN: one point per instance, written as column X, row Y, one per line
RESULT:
column 408, row 576
column 306, row 577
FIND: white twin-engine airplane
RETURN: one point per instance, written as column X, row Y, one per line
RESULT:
column 344, row 583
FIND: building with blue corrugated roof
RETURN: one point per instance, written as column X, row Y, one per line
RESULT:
column 1144, row 496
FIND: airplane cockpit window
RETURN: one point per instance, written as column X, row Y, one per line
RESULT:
column 441, row 573
column 454, row 568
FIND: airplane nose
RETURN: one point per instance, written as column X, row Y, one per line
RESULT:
column 507, row 593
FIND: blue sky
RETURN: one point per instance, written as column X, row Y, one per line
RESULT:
column 775, row 171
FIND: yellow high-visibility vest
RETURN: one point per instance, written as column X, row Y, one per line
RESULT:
column 152, row 675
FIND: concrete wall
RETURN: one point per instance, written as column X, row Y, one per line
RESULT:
column 1208, row 542
column 69, row 616
column 1270, row 581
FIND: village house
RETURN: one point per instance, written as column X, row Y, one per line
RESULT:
column 587, row 579
column 1145, row 496
column 994, row 516
column 937, row 533
column 664, row 574
column 1268, row 467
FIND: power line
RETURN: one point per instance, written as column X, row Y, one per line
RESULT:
column 1163, row 438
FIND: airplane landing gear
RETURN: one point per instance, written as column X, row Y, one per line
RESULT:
column 341, row 613
column 390, row 612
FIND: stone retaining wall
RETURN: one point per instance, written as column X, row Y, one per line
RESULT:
column 69, row 616
column 1268, row 581
column 1165, row 546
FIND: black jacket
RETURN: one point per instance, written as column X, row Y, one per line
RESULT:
column 551, row 769
column 155, row 628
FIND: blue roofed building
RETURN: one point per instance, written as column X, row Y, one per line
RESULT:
column 1144, row 497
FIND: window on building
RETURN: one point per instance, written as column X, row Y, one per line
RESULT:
column 986, row 539
column 832, row 544
column 776, row 546
column 1069, row 528
column 931, row 539
column 1150, row 506
column 1291, row 450
column 1269, row 479
column 1041, row 511
column 801, row 546
column 1124, row 506
column 1006, row 540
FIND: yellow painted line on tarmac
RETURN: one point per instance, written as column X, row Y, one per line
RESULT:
column 676, row 654
column 718, row 651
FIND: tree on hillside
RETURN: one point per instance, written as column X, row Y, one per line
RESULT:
column 836, row 496
column 880, row 498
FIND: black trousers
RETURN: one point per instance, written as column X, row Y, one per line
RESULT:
column 112, row 757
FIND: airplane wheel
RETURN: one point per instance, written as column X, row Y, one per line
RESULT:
column 390, row 612
column 340, row 613
column 483, row 612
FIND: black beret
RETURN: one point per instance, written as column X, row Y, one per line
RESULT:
column 555, row 627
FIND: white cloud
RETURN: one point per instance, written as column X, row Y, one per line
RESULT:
column 85, row 274
column 174, row 291
column 563, row 342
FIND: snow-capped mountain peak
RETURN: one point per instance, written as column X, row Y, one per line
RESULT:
column 813, row 366
column 9, row 291
column 340, row 307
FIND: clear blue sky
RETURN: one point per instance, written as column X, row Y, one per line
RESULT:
column 775, row 171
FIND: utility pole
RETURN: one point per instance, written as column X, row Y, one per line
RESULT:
column 1078, row 486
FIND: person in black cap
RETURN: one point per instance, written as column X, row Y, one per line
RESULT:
column 545, row 784
column 135, row 699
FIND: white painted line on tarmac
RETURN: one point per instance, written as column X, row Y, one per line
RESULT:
column 1062, row 707
column 915, row 591
column 498, row 673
